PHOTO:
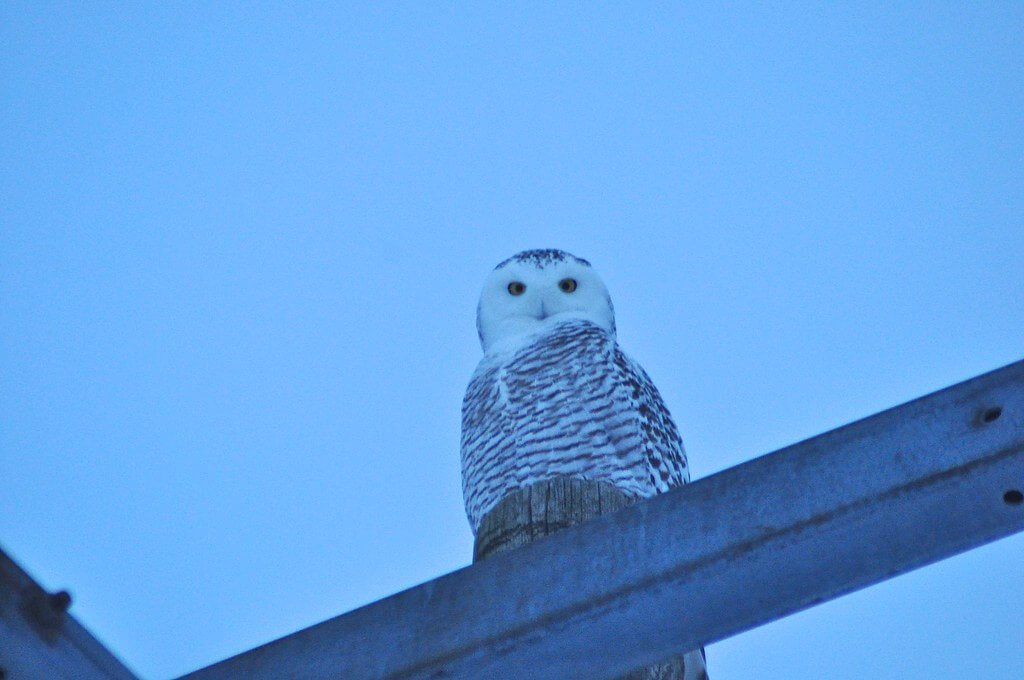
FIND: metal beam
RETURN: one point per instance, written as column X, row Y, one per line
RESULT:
column 39, row 639
column 849, row 508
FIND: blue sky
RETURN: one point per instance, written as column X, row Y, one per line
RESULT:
column 241, row 247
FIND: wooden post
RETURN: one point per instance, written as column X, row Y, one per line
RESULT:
column 549, row 506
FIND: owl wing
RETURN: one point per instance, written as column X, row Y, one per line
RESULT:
column 487, row 436
column 662, row 446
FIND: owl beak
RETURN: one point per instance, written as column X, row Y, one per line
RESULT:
column 543, row 312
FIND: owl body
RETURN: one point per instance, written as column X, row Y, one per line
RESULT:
column 554, row 395
column 568, row 403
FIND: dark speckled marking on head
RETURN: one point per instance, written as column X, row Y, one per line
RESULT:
column 542, row 258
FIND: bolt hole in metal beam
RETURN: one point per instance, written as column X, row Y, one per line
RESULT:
column 990, row 415
column 1013, row 497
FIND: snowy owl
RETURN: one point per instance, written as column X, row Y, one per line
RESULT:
column 554, row 396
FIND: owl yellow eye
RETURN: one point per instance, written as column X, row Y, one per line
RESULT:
column 567, row 285
column 516, row 288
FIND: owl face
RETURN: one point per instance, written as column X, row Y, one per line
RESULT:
column 536, row 289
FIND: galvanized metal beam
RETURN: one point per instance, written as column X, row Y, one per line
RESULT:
column 39, row 639
column 849, row 508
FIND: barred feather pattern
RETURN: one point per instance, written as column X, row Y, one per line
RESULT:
column 568, row 403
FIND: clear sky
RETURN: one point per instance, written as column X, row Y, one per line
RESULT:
column 241, row 246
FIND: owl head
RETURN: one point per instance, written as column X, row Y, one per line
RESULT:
column 536, row 289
